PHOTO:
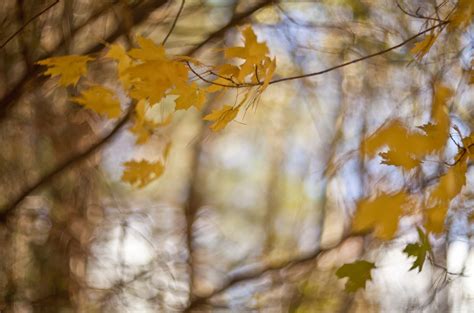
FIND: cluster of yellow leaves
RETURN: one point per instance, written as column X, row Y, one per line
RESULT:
column 257, row 69
column 257, row 65
column 407, row 150
column 148, row 75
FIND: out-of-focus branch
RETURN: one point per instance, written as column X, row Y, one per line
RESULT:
column 67, row 164
column 249, row 273
column 34, row 17
column 236, row 19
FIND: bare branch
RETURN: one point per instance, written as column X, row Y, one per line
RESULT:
column 174, row 22
column 258, row 270
column 34, row 17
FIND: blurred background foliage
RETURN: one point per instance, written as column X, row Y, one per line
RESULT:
column 251, row 219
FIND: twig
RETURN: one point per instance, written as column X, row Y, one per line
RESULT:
column 330, row 69
column 209, row 81
column 418, row 15
column 174, row 22
column 360, row 59
column 19, row 30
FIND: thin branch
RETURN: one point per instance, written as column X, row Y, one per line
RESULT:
column 418, row 15
column 237, row 19
column 174, row 22
column 330, row 69
column 34, row 17
column 209, row 81
column 381, row 52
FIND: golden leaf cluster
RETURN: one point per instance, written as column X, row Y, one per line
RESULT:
column 148, row 75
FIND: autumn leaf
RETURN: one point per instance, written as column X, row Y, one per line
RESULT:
column 153, row 80
column 70, row 68
column 451, row 183
column 448, row 187
column 252, row 52
column 148, row 51
column 380, row 214
column 141, row 173
column 118, row 53
column 101, row 100
column 462, row 15
column 142, row 127
column 358, row 273
column 419, row 250
column 404, row 147
column 221, row 117
column 399, row 158
column 189, row 95
column 423, row 47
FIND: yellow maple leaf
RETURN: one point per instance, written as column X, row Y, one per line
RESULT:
column 70, row 68
column 442, row 94
column 222, row 117
column 189, row 95
column 449, row 186
column 421, row 48
column 142, row 127
column 149, row 81
column 451, row 183
column 252, row 52
column 118, row 53
column 380, row 214
column 399, row 158
column 141, row 173
column 148, row 51
column 408, row 148
column 405, row 148
column 435, row 217
column 153, row 80
column 101, row 100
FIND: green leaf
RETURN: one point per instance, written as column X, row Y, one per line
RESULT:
column 357, row 272
column 419, row 250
